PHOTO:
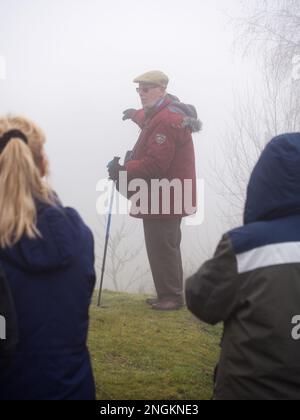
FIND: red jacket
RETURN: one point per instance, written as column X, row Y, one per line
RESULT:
column 165, row 150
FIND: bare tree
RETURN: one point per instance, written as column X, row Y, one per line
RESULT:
column 141, row 281
column 122, row 261
column 271, row 28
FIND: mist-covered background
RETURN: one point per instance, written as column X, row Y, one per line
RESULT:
column 70, row 66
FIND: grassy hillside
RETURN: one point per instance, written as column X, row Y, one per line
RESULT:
column 138, row 353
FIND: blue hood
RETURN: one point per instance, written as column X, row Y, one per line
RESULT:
column 60, row 230
column 274, row 187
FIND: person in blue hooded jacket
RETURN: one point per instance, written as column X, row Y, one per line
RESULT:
column 47, row 255
column 253, row 284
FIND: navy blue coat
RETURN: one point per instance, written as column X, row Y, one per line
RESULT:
column 51, row 280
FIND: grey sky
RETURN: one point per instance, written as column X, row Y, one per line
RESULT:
column 70, row 66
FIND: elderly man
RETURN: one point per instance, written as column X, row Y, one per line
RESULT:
column 164, row 151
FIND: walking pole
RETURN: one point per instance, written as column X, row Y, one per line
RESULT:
column 107, row 237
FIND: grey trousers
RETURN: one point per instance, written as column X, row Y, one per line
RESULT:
column 163, row 239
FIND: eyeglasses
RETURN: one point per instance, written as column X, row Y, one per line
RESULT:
column 145, row 89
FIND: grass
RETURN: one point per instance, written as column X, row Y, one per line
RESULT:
column 138, row 353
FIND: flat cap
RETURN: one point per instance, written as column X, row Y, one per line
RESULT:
column 154, row 78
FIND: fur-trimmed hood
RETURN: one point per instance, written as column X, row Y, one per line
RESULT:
column 189, row 112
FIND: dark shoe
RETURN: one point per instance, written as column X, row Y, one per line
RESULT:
column 167, row 305
column 152, row 301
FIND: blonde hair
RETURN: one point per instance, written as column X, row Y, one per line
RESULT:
column 21, row 182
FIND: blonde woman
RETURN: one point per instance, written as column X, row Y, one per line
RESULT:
column 47, row 255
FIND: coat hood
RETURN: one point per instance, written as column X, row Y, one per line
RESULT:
column 60, row 231
column 191, row 120
column 274, row 187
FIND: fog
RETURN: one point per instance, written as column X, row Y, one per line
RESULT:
column 70, row 66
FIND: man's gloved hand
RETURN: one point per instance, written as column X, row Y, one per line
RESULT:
column 128, row 114
column 114, row 168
